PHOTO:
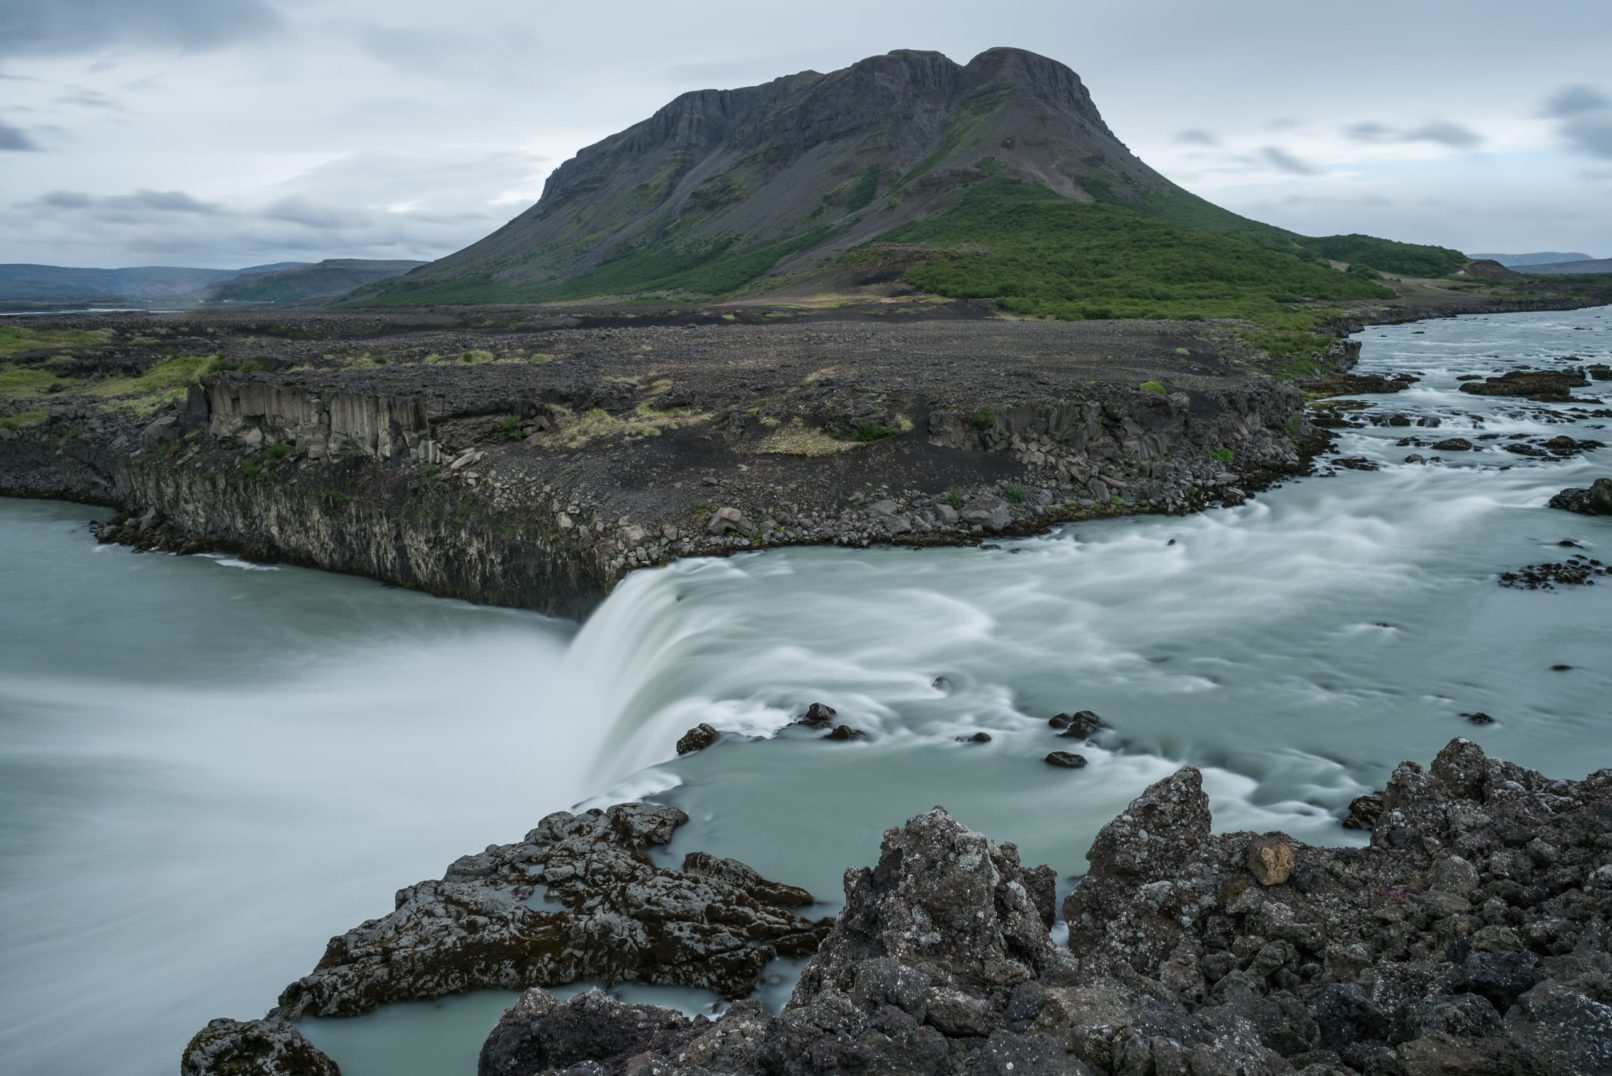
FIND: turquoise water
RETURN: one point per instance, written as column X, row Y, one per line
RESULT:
column 207, row 768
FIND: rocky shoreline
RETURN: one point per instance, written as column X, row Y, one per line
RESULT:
column 1471, row 936
column 543, row 464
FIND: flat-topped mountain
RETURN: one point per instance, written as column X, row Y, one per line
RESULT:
column 890, row 169
column 301, row 282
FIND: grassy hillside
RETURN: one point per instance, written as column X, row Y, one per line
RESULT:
column 1035, row 252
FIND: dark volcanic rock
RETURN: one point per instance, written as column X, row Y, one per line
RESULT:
column 1595, row 501
column 1068, row 760
column 714, row 924
column 1577, row 571
column 1545, row 386
column 697, row 738
column 818, row 716
column 1080, row 725
column 253, row 1048
column 1353, row 384
column 1453, row 444
column 843, row 733
column 1469, row 938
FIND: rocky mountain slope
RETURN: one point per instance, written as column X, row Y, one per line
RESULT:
column 724, row 191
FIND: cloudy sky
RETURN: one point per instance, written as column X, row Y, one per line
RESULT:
column 235, row 132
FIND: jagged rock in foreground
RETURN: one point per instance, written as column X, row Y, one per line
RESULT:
column 253, row 1048
column 609, row 914
column 1470, row 937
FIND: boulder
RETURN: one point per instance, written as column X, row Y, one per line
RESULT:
column 253, row 1048
column 1595, row 501
column 1271, row 859
column 1066, row 760
column 697, row 738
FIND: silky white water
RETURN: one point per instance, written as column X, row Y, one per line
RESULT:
column 206, row 770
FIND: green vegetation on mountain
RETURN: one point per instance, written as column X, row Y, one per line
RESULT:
column 1036, row 252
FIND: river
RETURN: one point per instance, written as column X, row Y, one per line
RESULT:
column 207, row 768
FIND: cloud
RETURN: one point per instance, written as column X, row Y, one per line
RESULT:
column 125, row 206
column 1369, row 132
column 1197, row 136
column 1572, row 100
column 1443, row 132
column 1287, row 162
column 64, row 27
column 1590, row 134
column 14, row 139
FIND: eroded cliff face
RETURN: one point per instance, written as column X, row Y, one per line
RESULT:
column 541, row 483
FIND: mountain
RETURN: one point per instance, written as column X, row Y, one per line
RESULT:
column 1583, row 265
column 301, row 282
column 995, row 179
column 1545, row 257
column 56, row 283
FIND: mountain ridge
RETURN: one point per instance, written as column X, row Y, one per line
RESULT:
column 817, row 180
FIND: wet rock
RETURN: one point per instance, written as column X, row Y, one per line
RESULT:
column 1068, row 760
column 1478, row 717
column 706, row 926
column 1578, row 570
column 1453, row 444
column 253, row 1048
column 1594, row 501
column 1545, row 386
column 697, row 738
column 843, row 733
column 1599, row 371
column 1080, row 725
column 818, row 716
column 1364, row 961
column 1271, row 859
column 1356, row 384
column 1355, row 463
column 978, row 737
column 1363, row 811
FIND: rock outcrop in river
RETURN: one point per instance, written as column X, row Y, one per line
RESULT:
column 1470, row 937
column 577, row 899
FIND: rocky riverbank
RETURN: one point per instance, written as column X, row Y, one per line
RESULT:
column 537, row 462
column 1469, row 937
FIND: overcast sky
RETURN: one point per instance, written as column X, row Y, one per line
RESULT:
column 235, row 132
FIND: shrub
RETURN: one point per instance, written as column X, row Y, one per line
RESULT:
column 954, row 498
column 873, row 431
column 1224, row 455
column 1013, row 493
column 983, row 419
column 509, row 427
column 1154, row 387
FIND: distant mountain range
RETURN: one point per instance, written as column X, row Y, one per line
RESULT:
column 171, row 285
column 1587, row 265
column 996, row 179
column 301, row 283
column 1542, row 257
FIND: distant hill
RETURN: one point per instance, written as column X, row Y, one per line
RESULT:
column 55, row 283
column 1587, row 265
column 1515, row 261
column 996, row 179
column 298, row 283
